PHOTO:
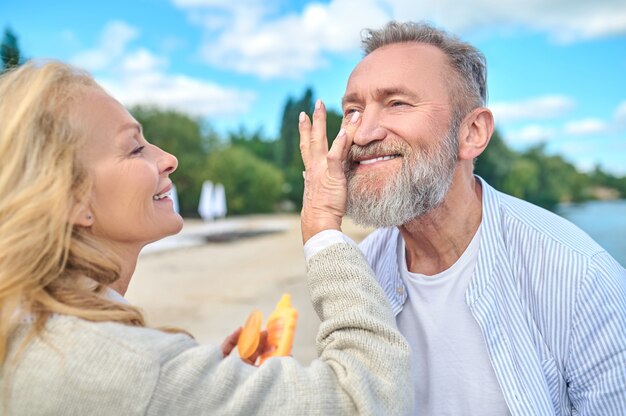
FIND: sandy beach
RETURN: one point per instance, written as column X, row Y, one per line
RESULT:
column 212, row 275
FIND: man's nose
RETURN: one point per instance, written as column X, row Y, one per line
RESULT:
column 370, row 129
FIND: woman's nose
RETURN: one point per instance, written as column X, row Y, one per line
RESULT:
column 167, row 163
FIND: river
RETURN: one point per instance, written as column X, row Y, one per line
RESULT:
column 604, row 221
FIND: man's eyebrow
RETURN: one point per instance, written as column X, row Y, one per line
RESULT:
column 130, row 125
column 381, row 93
column 350, row 98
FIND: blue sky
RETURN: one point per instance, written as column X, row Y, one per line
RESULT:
column 557, row 71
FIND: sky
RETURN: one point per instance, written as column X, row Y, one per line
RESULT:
column 557, row 69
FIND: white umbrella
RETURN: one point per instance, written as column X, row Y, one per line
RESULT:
column 174, row 197
column 219, row 201
column 205, row 207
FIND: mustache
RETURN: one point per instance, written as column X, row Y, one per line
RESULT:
column 376, row 149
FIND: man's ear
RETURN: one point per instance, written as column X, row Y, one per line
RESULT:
column 474, row 133
column 82, row 215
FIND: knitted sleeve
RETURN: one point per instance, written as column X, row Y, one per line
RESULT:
column 363, row 365
column 79, row 367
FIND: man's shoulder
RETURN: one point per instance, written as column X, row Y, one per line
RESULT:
column 523, row 221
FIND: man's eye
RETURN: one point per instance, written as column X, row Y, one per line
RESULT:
column 137, row 150
column 397, row 103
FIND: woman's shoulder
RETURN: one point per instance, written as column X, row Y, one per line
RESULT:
column 69, row 331
column 103, row 364
column 72, row 347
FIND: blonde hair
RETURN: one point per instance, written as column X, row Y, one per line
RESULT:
column 47, row 265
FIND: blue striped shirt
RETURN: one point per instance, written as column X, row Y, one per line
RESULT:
column 550, row 302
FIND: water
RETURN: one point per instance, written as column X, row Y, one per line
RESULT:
column 604, row 221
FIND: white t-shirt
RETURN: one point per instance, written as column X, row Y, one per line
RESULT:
column 453, row 374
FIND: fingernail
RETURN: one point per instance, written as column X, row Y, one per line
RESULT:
column 341, row 133
column 355, row 117
column 301, row 117
column 318, row 104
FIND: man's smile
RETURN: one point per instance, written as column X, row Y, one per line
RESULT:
column 376, row 159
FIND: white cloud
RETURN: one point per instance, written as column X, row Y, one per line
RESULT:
column 595, row 126
column 180, row 92
column 139, row 76
column 253, row 40
column 585, row 127
column 113, row 41
column 171, row 44
column 293, row 44
column 596, row 24
column 209, row 3
column 545, row 107
column 251, row 37
column 231, row 16
column 620, row 114
column 141, row 60
column 564, row 20
column 531, row 134
column 70, row 37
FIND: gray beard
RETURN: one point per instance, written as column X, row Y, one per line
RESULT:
column 421, row 184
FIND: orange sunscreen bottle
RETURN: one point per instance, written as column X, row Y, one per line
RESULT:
column 281, row 328
column 250, row 335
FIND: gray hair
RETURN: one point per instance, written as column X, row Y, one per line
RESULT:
column 466, row 61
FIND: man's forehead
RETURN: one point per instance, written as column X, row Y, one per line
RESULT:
column 392, row 67
column 400, row 55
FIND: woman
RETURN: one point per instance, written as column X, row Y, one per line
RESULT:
column 81, row 192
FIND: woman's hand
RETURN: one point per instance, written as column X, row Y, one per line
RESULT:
column 325, row 188
column 230, row 343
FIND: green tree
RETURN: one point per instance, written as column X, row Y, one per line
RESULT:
column 251, row 184
column 187, row 139
column 522, row 180
column 256, row 143
column 289, row 159
column 289, row 138
column 600, row 178
column 494, row 164
column 288, row 145
column 532, row 175
column 9, row 50
column 333, row 125
column 558, row 180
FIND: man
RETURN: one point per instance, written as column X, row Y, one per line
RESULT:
column 509, row 309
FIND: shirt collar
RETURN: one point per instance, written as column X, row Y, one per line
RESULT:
column 114, row 296
column 490, row 249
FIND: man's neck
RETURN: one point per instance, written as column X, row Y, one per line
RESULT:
column 436, row 240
